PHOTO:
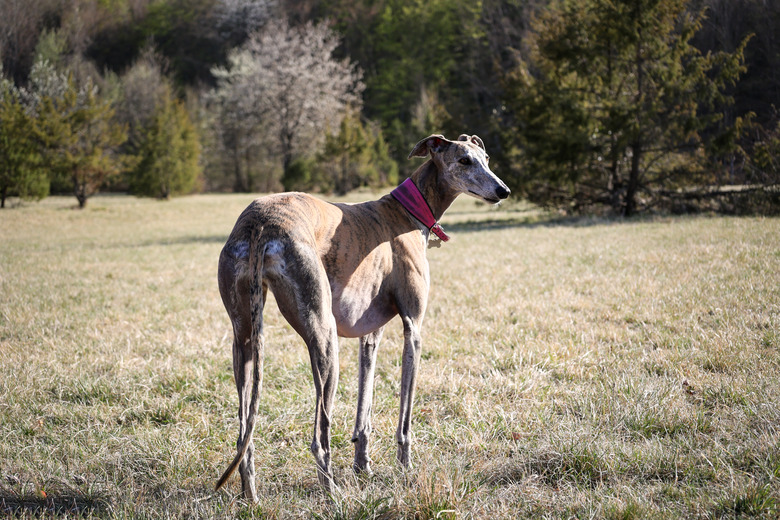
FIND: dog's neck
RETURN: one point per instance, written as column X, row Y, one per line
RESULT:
column 438, row 195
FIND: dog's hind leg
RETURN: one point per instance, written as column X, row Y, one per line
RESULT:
column 243, row 370
column 302, row 291
column 247, row 366
column 369, row 345
column 244, row 298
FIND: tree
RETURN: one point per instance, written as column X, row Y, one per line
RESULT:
column 235, row 126
column 142, row 88
column 356, row 156
column 21, row 168
column 162, row 139
column 82, row 139
column 168, row 153
column 285, row 84
column 419, row 55
column 20, row 25
column 615, row 103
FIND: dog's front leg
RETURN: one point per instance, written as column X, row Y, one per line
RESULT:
column 411, row 360
column 368, row 348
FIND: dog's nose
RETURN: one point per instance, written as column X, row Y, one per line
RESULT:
column 502, row 192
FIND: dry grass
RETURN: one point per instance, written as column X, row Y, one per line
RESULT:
column 581, row 368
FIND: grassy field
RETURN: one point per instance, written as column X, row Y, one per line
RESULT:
column 583, row 368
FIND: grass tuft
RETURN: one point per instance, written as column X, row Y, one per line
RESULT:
column 754, row 501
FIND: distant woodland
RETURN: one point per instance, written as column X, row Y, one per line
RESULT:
column 618, row 106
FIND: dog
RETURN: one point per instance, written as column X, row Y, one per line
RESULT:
column 342, row 270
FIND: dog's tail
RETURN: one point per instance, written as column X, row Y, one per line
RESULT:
column 256, row 303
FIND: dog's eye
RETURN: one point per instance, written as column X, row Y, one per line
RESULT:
column 465, row 161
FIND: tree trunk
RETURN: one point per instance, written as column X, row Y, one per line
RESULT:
column 614, row 185
column 629, row 206
column 80, row 191
column 286, row 137
column 238, row 185
column 286, row 162
column 633, row 180
column 344, row 188
column 2, row 196
column 250, row 178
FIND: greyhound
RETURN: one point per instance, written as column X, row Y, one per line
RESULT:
column 342, row 270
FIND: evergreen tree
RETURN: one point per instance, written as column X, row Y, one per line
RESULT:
column 82, row 138
column 168, row 154
column 357, row 156
column 21, row 170
column 616, row 103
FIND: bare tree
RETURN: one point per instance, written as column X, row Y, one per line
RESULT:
column 143, row 86
column 235, row 127
column 20, row 25
column 285, row 85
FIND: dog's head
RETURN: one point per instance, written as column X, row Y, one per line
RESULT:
column 463, row 165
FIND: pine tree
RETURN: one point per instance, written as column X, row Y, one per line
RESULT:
column 615, row 103
column 168, row 154
column 82, row 139
column 21, row 170
column 356, row 156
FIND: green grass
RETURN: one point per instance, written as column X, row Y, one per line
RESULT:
column 571, row 369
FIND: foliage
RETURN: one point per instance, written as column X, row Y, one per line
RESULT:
column 285, row 87
column 616, row 102
column 182, row 30
column 432, row 29
column 765, row 156
column 82, row 139
column 236, row 128
column 168, row 153
column 421, row 51
column 435, row 67
column 46, row 81
column 142, row 88
column 357, row 156
column 21, row 169
column 162, row 139
column 303, row 174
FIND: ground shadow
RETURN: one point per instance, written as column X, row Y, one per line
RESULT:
column 66, row 505
column 535, row 222
column 182, row 240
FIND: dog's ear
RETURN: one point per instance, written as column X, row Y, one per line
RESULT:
column 473, row 139
column 431, row 144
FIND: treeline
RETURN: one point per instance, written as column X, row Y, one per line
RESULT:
column 622, row 104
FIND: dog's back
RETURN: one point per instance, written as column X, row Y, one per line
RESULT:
column 364, row 250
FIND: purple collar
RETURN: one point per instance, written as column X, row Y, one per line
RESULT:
column 408, row 194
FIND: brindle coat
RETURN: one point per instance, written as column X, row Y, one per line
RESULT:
column 340, row 270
